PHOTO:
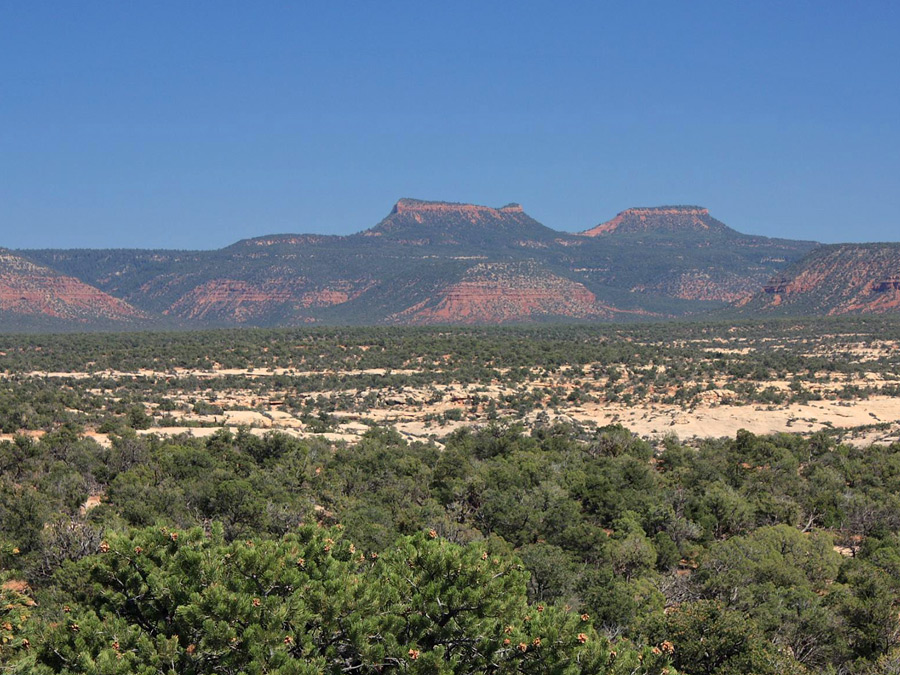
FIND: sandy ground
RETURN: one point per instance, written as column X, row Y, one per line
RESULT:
column 726, row 420
column 419, row 413
column 649, row 421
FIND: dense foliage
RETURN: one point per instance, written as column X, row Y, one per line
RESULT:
column 161, row 600
column 722, row 558
column 791, row 342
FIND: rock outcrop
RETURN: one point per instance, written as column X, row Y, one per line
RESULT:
column 834, row 280
column 27, row 289
column 673, row 219
column 506, row 293
column 238, row 301
column 423, row 223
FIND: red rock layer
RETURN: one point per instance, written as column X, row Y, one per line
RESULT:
column 33, row 290
column 648, row 218
column 414, row 210
column 229, row 298
column 501, row 293
column 242, row 301
column 443, row 208
column 847, row 279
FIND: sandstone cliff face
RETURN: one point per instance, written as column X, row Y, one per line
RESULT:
column 660, row 219
column 33, row 290
column 239, row 301
column 420, row 223
column 420, row 211
column 505, row 293
column 835, row 280
column 229, row 300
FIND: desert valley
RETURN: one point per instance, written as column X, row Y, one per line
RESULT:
column 463, row 338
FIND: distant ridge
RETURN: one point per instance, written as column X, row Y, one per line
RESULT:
column 425, row 262
column 834, row 279
column 671, row 219
column 31, row 290
column 423, row 205
column 420, row 222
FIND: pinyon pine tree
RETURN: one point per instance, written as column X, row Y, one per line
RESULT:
column 159, row 601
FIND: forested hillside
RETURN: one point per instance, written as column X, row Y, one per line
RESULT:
column 833, row 280
column 438, row 263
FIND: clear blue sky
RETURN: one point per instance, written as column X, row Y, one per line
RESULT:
column 194, row 124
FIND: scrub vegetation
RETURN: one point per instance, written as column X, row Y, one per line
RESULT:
column 147, row 527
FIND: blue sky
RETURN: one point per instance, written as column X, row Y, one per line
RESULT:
column 194, row 124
